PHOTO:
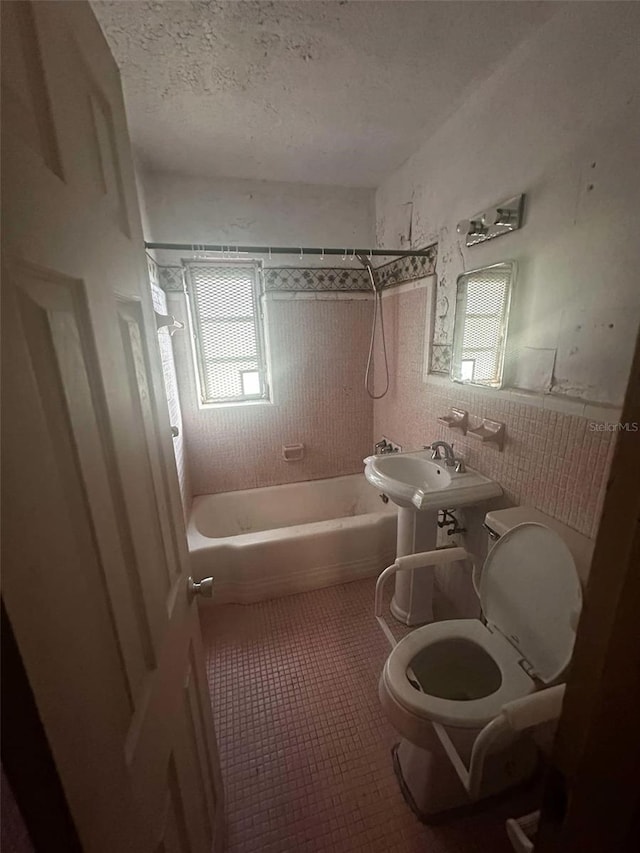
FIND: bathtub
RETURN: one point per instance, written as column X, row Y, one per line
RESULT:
column 263, row 543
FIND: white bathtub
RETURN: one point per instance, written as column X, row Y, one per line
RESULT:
column 263, row 543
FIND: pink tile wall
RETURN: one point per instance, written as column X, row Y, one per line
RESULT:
column 551, row 461
column 319, row 350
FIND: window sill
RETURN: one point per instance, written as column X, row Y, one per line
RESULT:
column 240, row 404
column 593, row 410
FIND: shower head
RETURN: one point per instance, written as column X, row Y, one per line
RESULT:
column 364, row 260
column 366, row 263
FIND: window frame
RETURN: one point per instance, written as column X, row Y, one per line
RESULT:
column 458, row 350
column 197, row 335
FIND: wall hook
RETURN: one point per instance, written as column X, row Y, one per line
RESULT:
column 168, row 321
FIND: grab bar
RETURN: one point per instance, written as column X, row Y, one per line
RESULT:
column 439, row 557
column 516, row 716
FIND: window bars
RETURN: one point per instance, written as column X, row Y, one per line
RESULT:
column 228, row 328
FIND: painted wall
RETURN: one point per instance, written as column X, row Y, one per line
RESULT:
column 318, row 345
column 559, row 120
column 230, row 211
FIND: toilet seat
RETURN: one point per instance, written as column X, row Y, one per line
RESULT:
column 473, row 713
column 531, row 598
column 530, row 591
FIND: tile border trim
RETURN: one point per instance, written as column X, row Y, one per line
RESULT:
column 290, row 279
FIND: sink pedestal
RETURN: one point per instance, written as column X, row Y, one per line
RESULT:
column 420, row 486
column 412, row 601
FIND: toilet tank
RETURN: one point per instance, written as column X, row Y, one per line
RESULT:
column 499, row 521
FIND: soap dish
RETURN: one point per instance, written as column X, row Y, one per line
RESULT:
column 456, row 419
column 490, row 431
column 292, row 452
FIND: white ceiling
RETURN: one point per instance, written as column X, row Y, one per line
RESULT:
column 313, row 92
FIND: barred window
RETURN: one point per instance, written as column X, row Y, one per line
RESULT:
column 482, row 313
column 228, row 330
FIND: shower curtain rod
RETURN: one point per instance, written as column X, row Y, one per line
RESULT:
column 287, row 250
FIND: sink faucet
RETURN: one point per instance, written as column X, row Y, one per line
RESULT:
column 450, row 460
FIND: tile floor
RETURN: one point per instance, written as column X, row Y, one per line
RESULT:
column 304, row 746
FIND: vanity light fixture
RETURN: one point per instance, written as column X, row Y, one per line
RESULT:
column 504, row 217
column 471, row 228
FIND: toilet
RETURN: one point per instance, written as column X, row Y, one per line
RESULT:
column 447, row 682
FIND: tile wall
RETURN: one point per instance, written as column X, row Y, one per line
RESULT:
column 318, row 345
column 557, row 453
column 318, row 325
column 556, row 461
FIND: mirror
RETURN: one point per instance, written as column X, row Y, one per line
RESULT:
column 480, row 330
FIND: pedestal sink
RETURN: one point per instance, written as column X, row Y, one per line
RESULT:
column 420, row 486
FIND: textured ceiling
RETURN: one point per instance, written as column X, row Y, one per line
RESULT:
column 316, row 92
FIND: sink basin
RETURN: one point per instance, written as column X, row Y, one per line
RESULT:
column 416, row 480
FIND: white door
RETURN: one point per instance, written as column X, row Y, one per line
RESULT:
column 94, row 549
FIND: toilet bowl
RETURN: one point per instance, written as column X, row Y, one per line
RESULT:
column 445, row 683
column 457, row 673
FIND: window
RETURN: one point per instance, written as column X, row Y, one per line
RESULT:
column 482, row 313
column 228, row 330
